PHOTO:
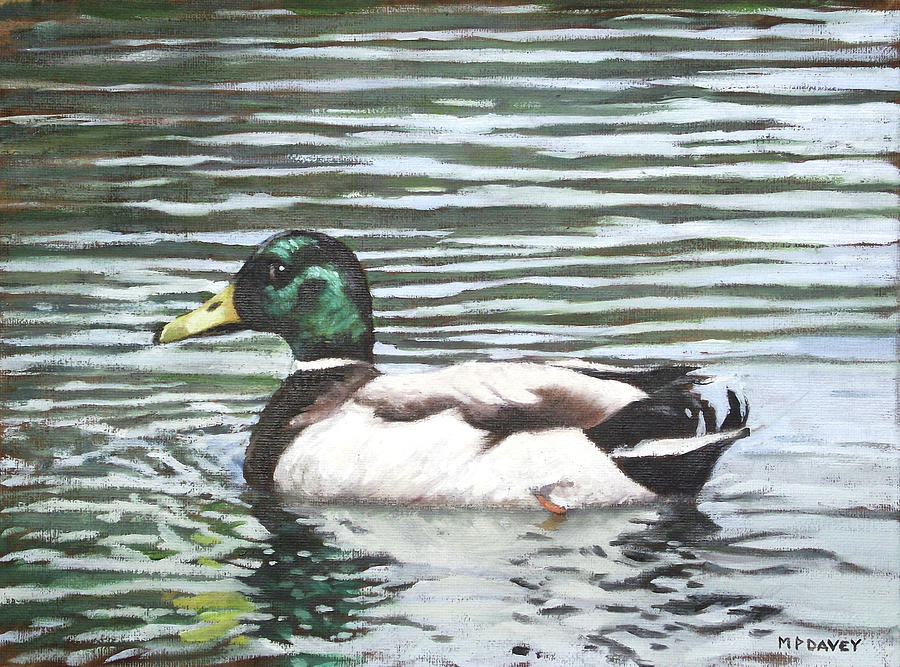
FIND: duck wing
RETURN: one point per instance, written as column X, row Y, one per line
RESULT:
column 677, row 404
column 501, row 397
column 647, row 378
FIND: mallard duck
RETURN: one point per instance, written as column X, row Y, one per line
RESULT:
column 562, row 434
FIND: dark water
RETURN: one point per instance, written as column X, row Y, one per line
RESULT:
column 703, row 186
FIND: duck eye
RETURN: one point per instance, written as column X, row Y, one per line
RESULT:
column 278, row 275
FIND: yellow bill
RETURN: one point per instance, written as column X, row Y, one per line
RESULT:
column 219, row 310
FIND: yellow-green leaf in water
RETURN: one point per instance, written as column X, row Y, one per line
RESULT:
column 214, row 600
column 220, row 610
column 209, row 562
column 204, row 540
column 207, row 633
column 216, row 616
column 240, row 640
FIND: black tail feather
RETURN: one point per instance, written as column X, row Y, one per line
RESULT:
column 682, row 474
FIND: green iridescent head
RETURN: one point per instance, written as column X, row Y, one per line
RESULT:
column 304, row 286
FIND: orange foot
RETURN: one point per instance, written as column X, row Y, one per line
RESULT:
column 550, row 507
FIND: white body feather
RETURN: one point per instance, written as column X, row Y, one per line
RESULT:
column 441, row 458
column 355, row 455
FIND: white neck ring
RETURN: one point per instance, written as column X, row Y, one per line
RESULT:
column 320, row 364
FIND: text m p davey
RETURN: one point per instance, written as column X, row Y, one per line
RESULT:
column 809, row 644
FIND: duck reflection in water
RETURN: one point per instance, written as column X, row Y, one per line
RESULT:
column 308, row 585
column 342, row 572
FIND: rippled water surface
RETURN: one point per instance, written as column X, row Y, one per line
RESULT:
column 640, row 186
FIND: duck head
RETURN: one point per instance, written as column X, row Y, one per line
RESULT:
column 304, row 286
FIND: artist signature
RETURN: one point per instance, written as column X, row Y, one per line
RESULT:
column 826, row 645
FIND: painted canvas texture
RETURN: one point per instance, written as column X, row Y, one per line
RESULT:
column 447, row 333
